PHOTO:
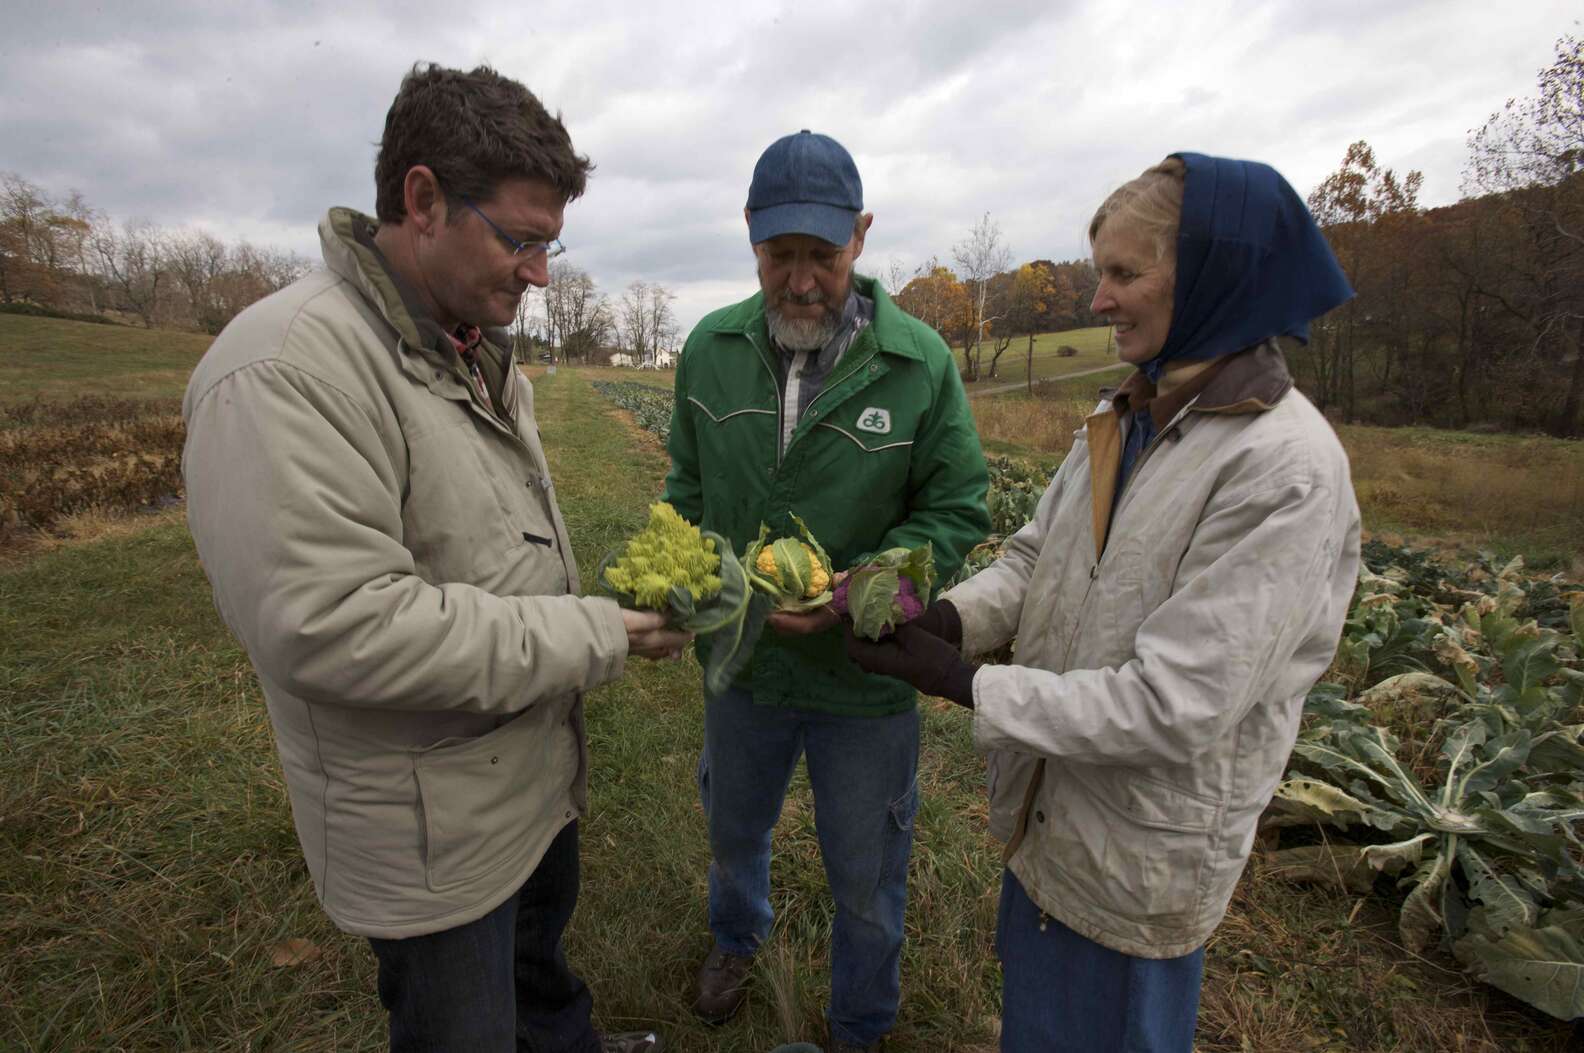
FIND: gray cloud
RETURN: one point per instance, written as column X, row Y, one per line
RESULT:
column 250, row 119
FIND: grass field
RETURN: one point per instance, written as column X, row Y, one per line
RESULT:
column 153, row 880
column 1093, row 345
column 659, row 378
column 54, row 359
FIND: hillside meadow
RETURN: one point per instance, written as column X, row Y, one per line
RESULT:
column 155, row 898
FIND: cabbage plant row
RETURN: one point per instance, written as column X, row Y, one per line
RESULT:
column 1445, row 745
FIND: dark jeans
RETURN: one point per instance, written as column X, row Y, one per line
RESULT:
column 862, row 771
column 498, row 984
column 1064, row 993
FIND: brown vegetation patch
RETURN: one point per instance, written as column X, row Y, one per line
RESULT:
column 90, row 455
column 1462, row 489
column 1038, row 424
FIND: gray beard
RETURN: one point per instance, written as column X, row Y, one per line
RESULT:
column 800, row 334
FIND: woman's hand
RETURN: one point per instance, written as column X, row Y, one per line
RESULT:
column 916, row 657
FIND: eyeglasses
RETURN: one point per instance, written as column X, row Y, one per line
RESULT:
column 551, row 249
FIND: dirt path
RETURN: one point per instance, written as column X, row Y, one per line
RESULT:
column 974, row 390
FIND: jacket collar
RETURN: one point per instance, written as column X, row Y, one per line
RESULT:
column 748, row 318
column 1250, row 381
column 346, row 237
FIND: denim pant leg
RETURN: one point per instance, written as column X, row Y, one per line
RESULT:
column 1064, row 992
column 863, row 771
column 554, row 1005
column 749, row 754
column 497, row 984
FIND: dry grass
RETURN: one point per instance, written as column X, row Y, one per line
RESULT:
column 93, row 524
column 1308, row 968
column 1017, row 423
column 1454, row 490
column 1516, row 493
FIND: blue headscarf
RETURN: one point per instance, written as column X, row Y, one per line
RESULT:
column 1251, row 263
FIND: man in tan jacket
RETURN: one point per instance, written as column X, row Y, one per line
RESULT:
column 373, row 507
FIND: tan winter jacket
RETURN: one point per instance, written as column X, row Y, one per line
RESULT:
column 390, row 554
column 1164, row 651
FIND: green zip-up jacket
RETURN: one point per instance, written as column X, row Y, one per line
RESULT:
column 886, row 455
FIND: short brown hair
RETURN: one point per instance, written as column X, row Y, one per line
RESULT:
column 1151, row 203
column 474, row 130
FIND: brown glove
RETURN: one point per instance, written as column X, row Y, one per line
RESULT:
column 941, row 619
column 916, row 656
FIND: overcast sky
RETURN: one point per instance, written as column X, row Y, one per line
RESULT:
column 249, row 119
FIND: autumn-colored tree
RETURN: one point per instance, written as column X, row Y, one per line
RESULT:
column 1029, row 298
column 1366, row 212
column 34, row 239
column 936, row 298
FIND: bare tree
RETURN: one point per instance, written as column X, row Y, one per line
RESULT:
column 77, row 223
column 198, row 262
column 578, row 320
column 979, row 258
column 1532, row 152
column 134, row 265
column 632, row 318
column 662, row 321
column 896, row 276
column 522, row 328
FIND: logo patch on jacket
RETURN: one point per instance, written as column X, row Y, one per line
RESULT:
column 876, row 420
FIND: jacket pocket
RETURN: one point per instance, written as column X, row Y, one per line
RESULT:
column 1007, row 776
column 1156, row 845
column 488, row 801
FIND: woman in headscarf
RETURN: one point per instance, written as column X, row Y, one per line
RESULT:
column 1182, row 585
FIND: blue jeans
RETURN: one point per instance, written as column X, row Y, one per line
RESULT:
column 1061, row 991
column 498, row 984
column 862, row 771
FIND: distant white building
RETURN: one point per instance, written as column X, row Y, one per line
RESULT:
column 623, row 359
column 665, row 360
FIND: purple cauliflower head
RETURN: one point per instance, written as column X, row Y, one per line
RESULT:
column 838, row 601
column 907, row 598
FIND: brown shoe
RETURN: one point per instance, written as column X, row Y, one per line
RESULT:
column 721, row 986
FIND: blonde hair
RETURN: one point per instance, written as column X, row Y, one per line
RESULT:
column 1151, row 203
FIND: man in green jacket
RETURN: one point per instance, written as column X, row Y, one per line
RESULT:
column 372, row 505
column 818, row 397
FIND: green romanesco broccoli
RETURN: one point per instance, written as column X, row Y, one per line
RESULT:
column 669, row 552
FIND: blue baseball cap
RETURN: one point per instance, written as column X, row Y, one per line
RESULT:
column 804, row 184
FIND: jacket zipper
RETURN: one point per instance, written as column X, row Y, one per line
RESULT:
column 1116, row 506
column 857, row 367
column 824, row 389
column 1094, row 568
column 477, row 406
column 775, row 385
